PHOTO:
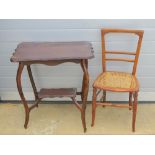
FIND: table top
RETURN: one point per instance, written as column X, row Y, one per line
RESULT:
column 46, row 51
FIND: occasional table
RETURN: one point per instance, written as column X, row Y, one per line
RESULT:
column 53, row 53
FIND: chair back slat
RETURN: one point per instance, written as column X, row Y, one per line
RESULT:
column 119, row 59
column 120, row 52
column 139, row 33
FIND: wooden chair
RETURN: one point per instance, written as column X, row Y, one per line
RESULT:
column 117, row 81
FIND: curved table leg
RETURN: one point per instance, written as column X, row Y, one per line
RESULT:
column 76, row 103
column 85, row 88
column 33, row 84
column 19, row 86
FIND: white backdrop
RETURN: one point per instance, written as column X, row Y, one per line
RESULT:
column 13, row 32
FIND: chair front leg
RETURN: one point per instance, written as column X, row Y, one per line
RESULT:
column 134, row 111
column 93, row 106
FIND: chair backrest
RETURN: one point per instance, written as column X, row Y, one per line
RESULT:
column 139, row 33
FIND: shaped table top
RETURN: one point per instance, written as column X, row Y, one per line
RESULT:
column 46, row 51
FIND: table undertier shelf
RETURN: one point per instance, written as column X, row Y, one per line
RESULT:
column 57, row 92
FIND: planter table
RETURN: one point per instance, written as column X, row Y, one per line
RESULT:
column 53, row 53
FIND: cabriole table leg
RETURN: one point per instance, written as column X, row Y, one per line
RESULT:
column 19, row 86
column 85, row 88
column 33, row 85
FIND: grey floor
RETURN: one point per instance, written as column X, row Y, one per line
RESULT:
column 65, row 119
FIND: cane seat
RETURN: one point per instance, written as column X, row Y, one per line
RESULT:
column 116, row 81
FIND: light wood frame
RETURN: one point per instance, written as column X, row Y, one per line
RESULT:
column 132, row 93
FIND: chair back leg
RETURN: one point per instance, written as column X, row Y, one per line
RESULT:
column 134, row 111
column 130, row 101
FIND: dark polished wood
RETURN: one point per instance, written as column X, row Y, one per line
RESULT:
column 76, row 104
column 56, row 92
column 85, row 89
column 50, row 92
column 32, row 82
column 19, row 86
column 52, row 54
column 52, row 51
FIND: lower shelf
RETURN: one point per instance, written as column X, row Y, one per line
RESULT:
column 57, row 92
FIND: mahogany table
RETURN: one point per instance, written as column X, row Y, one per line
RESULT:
column 53, row 53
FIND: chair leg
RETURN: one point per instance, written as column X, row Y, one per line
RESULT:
column 130, row 100
column 104, row 97
column 93, row 106
column 134, row 111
